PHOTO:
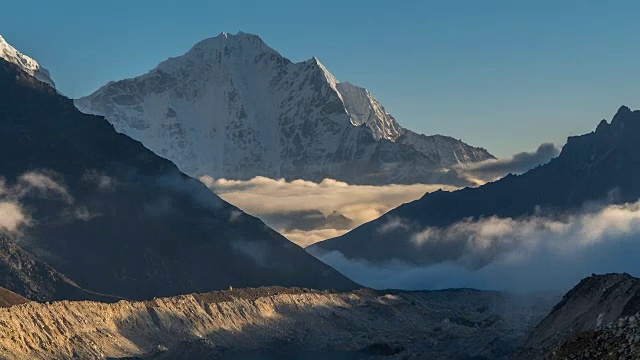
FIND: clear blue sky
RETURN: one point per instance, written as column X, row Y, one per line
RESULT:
column 505, row 75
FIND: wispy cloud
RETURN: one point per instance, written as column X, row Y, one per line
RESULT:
column 49, row 185
column 101, row 180
column 30, row 184
column 493, row 169
column 42, row 183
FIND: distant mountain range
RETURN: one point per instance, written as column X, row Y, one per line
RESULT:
column 600, row 167
column 87, row 208
column 232, row 107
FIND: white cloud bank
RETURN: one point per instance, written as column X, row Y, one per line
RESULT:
column 263, row 196
column 535, row 253
column 289, row 200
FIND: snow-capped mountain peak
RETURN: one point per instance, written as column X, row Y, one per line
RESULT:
column 27, row 64
column 234, row 107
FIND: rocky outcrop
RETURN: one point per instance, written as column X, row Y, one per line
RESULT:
column 597, row 315
column 451, row 324
column 596, row 301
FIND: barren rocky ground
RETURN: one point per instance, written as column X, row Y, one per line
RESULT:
column 270, row 322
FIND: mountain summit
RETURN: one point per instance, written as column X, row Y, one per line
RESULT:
column 27, row 64
column 233, row 107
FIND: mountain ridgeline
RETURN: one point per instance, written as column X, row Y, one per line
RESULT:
column 599, row 167
column 232, row 107
column 274, row 323
column 117, row 219
column 26, row 63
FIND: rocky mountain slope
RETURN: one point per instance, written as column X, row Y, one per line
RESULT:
column 619, row 340
column 232, row 107
column 267, row 322
column 9, row 298
column 597, row 317
column 117, row 219
column 596, row 301
column 27, row 275
column 600, row 167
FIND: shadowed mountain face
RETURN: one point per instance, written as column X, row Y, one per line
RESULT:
column 117, row 219
column 601, row 167
column 25, row 274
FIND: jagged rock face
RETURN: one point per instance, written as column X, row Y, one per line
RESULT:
column 232, row 107
column 27, row 64
column 277, row 322
column 120, row 220
column 597, row 319
column 601, row 167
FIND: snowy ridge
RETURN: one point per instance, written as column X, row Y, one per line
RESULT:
column 363, row 108
column 28, row 65
column 446, row 150
column 233, row 107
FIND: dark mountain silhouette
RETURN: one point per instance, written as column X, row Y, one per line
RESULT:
column 119, row 220
column 602, row 166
